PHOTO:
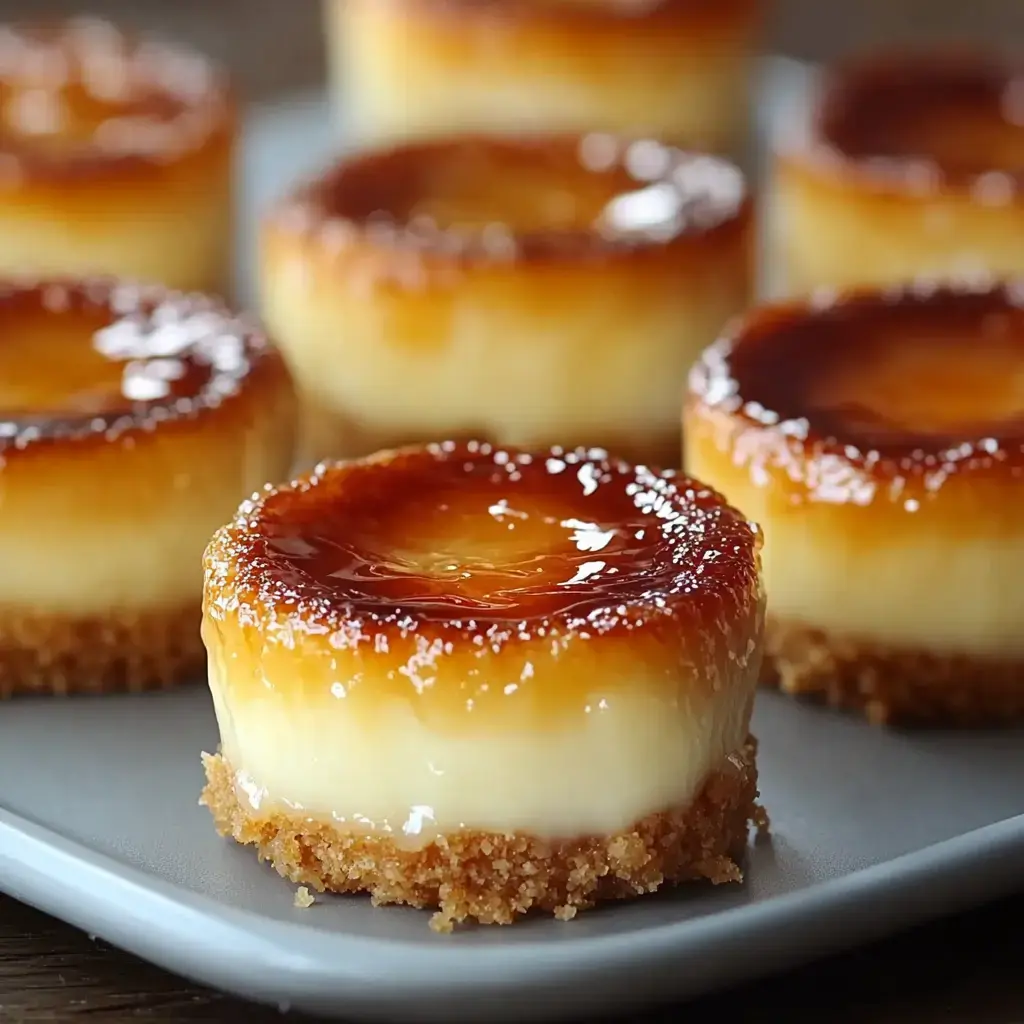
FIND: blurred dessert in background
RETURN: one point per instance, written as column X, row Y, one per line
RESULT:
column 678, row 70
column 390, row 636
column 116, row 157
column 878, row 440
column 523, row 291
column 133, row 421
column 912, row 164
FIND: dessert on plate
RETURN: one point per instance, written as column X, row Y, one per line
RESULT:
column 679, row 70
column 132, row 421
column 522, row 291
column 485, row 680
column 115, row 157
column 878, row 439
column 912, row 165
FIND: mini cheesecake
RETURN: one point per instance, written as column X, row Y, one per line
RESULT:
column 878, row 438
column 115, row 158
column 390, row 636
column 913, row 166
column 132, row 421
column 519, row 291
column 679, row 70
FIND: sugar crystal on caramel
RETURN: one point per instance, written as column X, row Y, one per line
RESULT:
column 467, row 531
column 928, row 119
column 481, row 195
column 904, row 386
column 81, row 94
column 97, row 357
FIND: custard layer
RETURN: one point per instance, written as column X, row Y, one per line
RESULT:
column 835, row 231
column 888, row 496
column 580, row 332
column 109, row 494
column 681, row 73
column 913, row 167
column 494, row 877
column 116, row 157
column 386, row 635
column 370, row 759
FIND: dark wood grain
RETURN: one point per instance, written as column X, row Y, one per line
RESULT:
column 968, row 970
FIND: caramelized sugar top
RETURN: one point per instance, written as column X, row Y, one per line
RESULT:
column 960, row 115
column 472, row 535
column 929, row 378
column 82, row 93
column 95, row 357
column 504, row 197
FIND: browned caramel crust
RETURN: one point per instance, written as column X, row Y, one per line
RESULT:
column 494, row 878
column 225, row 353
column 753, row 385
column 866, row 104
column 160, row 104
column 610, row 16
column 361, row 204
column 892, row 686
column 699, row 557
column 122, row 651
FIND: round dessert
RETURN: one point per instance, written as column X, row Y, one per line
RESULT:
column 132, row 421
column 679, row 70
column 878, row 439
column 115, row 158
column 913, row 167
column 520, row 291
column 389, row 636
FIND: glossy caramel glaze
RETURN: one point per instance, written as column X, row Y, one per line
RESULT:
column 486, row 580
column 872, row 395
column 922, row 123
column 81, row 100
column 88, row 362
column 455, row 534
column 503, row 201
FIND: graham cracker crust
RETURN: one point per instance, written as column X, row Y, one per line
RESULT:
column 494, row 878
column 124, row 652
column 892, row 686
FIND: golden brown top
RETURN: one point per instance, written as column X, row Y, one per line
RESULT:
column 856, row 396
column 92, row 359
column 492, row 199
column 483, row 544
column 79, row 98
column 924, row 121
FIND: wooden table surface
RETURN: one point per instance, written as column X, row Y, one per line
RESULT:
column 966, row 970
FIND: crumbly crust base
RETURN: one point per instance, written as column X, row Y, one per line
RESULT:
column 122, row 652
column 892, row 686
column 493, row 878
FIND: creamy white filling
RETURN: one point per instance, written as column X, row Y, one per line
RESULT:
column 826, row 237
column 378, row 63
column 935, row 589
column 180, row 241
column 517, row 371
column 74, row 569
column 962, row 598
column 625, row 756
